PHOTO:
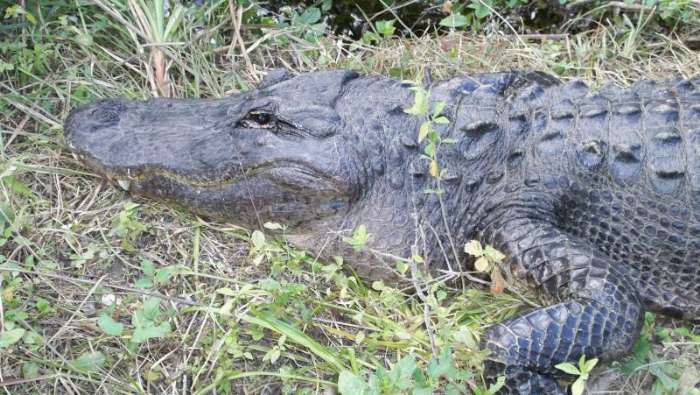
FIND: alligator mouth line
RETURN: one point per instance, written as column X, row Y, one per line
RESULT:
column 146, row 172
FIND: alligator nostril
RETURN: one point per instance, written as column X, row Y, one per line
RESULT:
column 105, row 116
column 107, row 112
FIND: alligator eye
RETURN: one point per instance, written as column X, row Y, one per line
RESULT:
column 258, row 120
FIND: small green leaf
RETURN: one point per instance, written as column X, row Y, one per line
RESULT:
column 465, row 336
column 481, row 10
column 43, row 305
column 109, row 325
column 438, row 108
column 150, row 331
column 493, row 254
column 370, row 37
column 148, row 312
column 568, row 367
column 441, row 366
column 385, row 28
column 88, row 362
column 148, row 268
column 143, row 283
column 273, row 355
column 454, row 20
column 589, row 365
column 378, row 285
column 258, row 239
column 402, row 372
column 30, row 370
column 401, row 267
column 578, row 386
column 495, row 387
column 164, row 273
column 420, row 103
column 441, row 120
column 326, row 5
column 349, row 384
column 359, row 239
column 429, row 149
column 310, row 16
column 10, row 337
column 273, row 226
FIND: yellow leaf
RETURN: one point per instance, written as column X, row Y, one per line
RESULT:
column 434, row 168
column 423, row 131
column 473, row 248
column 481, row 264
column 7, row 295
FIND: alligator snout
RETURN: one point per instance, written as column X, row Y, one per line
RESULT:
column 89, row 119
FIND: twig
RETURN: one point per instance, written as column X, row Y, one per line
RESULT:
column 29, row 110
column 611, row 4
column 426, row 307
column 627, row 7
column 118, row 17
column 80, row 307
column 237, row 19
column 16, row 131
column 104, row 284
column 10, row 382
column 540, row 37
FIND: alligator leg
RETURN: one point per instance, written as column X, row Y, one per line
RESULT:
column 596, row 311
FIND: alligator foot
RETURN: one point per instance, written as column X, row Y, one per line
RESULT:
column 523, row 381
column 598, row 316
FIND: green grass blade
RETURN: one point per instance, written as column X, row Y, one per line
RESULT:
column 296, row 336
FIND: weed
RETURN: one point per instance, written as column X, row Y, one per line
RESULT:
column 383, row 30
column 128, row 227
column 582, row 371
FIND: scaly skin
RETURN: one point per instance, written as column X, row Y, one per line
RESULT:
column 594, row 197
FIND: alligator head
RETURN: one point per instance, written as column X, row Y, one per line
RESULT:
column 319, row 153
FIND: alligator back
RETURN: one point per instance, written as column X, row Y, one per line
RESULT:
column 619, row 167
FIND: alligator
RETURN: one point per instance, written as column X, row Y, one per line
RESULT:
column 593, row 195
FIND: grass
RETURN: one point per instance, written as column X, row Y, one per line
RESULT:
column 101, row 294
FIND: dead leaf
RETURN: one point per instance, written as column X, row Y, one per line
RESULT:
column 498, row 283
column 8, row 295
column 447, row 7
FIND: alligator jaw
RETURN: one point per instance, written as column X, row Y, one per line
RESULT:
column 200, row 155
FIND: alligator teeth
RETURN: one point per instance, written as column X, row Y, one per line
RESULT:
column 123, row 184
